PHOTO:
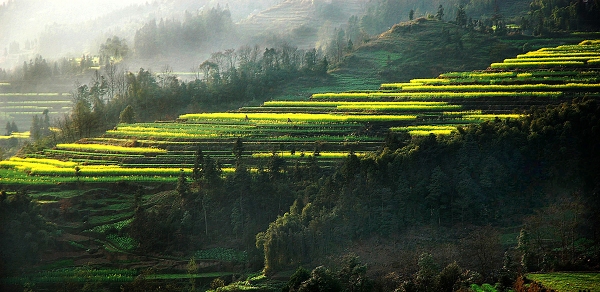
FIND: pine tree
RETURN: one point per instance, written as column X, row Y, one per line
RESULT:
column 461, row 16
column 440, row 13
column 238, row 149
column 127, row 116
column 197, row 172
column 182, row 186
column 8, row 129
column 36, row 129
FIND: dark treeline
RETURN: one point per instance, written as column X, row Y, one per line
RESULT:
column 383, row 14
column 24, row 234
column 39, row 74
column 551, row 15
column 228, row 79
column 539, row 174
column 544, row 16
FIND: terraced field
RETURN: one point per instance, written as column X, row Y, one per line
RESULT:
column 324, row 128
column 21, row 107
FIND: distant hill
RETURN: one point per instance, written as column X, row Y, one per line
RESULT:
column 301, row 19
column 424, row 48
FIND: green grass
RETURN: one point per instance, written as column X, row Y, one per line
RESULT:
column 187, row 276
column 76, row 275
column 125, row 243
column 109, row 148
column 565, row 282
column 222, row 254
column 533, row 65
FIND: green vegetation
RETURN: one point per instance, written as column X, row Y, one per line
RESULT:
column 562, row 282
column 382, row 172
column 222, row 254
column 109, row 148
column 329, row 121
column 76, row 275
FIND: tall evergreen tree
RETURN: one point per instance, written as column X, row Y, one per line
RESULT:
column 440, row 13
column 461, row 16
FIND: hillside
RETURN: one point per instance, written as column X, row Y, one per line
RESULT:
column 418, row 49
column 424, row 48
column 402, row 163
column 301, row 20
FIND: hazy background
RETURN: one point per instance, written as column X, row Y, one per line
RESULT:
column 71, row 28
column 182, row 34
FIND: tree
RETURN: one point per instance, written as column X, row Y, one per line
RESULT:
column 321, row 279
column 45, row 123
column 238, row 149
column 299, row 277
column 127, row 115
column 323, row 66
column 461, row 16
column 528, row 253
column 483, row 246
column 182, row 186
column 192, row 269
column 13, row 127
column 411, row 14
column 8, row 129
column 440, row 13
column 82, row 119
column 438, row 194
column 36, row 129
column 114, row 48
column 428, row 269
column 448, row 277
column 197, row 172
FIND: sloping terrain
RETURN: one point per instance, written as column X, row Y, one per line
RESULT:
column 424, row 48
column 323, row 129
column 319, row 132
column 301, row 19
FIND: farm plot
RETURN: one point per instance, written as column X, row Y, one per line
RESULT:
column 21, row 107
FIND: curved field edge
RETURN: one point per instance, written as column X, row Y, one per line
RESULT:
column 568, row 281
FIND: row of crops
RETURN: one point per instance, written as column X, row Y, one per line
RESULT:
column 21, row 107
column 326, row 127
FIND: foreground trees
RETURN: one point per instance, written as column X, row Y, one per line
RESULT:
column 491, row 174
column 24, row 234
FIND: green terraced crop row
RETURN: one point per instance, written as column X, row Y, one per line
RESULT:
column 520, row 88
column 17, row 135
column 425, row 130
column 557, row 55
column 345, row 103
column 298, row 154
column 529, row 65
column 422, row 94
column 109, row 148
column 296, row 117
column 29, row 94
column 550, row 59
